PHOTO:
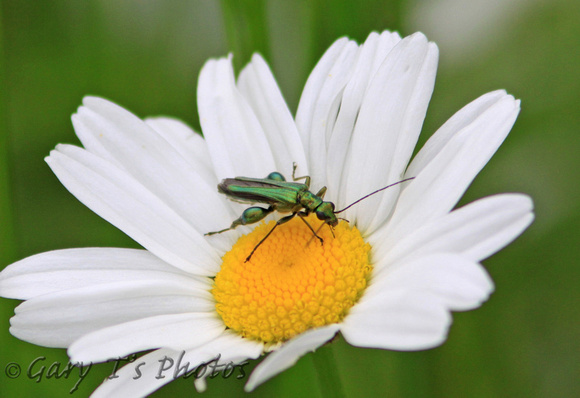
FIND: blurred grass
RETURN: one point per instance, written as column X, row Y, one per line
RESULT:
column 247, row 29
column 7, row 244
column 146, row 56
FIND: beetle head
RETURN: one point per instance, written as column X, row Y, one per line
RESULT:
column 325, row 212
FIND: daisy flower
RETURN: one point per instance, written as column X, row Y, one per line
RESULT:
column 386, row 278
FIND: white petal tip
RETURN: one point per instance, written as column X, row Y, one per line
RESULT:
column 91, row 100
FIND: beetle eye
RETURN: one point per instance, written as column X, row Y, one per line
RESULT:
column 320, row 215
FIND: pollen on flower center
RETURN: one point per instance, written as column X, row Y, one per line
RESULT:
column 292, row 283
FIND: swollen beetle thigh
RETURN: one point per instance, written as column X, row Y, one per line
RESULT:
column 254, row 214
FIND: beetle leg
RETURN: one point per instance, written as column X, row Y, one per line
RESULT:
column 275, row 176
column 279, row 222
column 302, row 215
column 250, row 216
column 321, row 192
column 305, row 178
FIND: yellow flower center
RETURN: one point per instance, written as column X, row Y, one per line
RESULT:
column 292, row 283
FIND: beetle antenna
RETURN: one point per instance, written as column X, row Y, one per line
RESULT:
column 372, row 193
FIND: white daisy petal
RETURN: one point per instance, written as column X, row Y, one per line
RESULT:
column 57, row 319
column 461, row 284
column 236, row 141
column 463, row 118
column 314, row 85
column 228, row 348
column 77, row 268
column 287, row 355
column 120, row 137
column 438, row 186
column 258, row 86
column 140, row 378
column 371, row 56
column 387, row 128
column 188, row 143
column 224, row 349
column 475, row 231
column 125, row 203
column 176, row 331
column 320, row 102
column 397, row 320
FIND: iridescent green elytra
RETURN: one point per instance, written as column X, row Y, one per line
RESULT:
column 281, row 196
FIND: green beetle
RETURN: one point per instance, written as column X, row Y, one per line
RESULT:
column 281, row 196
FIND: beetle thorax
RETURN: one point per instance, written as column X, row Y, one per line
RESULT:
column 310, row 201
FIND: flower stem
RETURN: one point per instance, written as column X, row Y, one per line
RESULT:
column 247, row 30
column 327, row 372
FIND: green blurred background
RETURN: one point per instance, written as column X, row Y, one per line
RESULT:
column 146, row 55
